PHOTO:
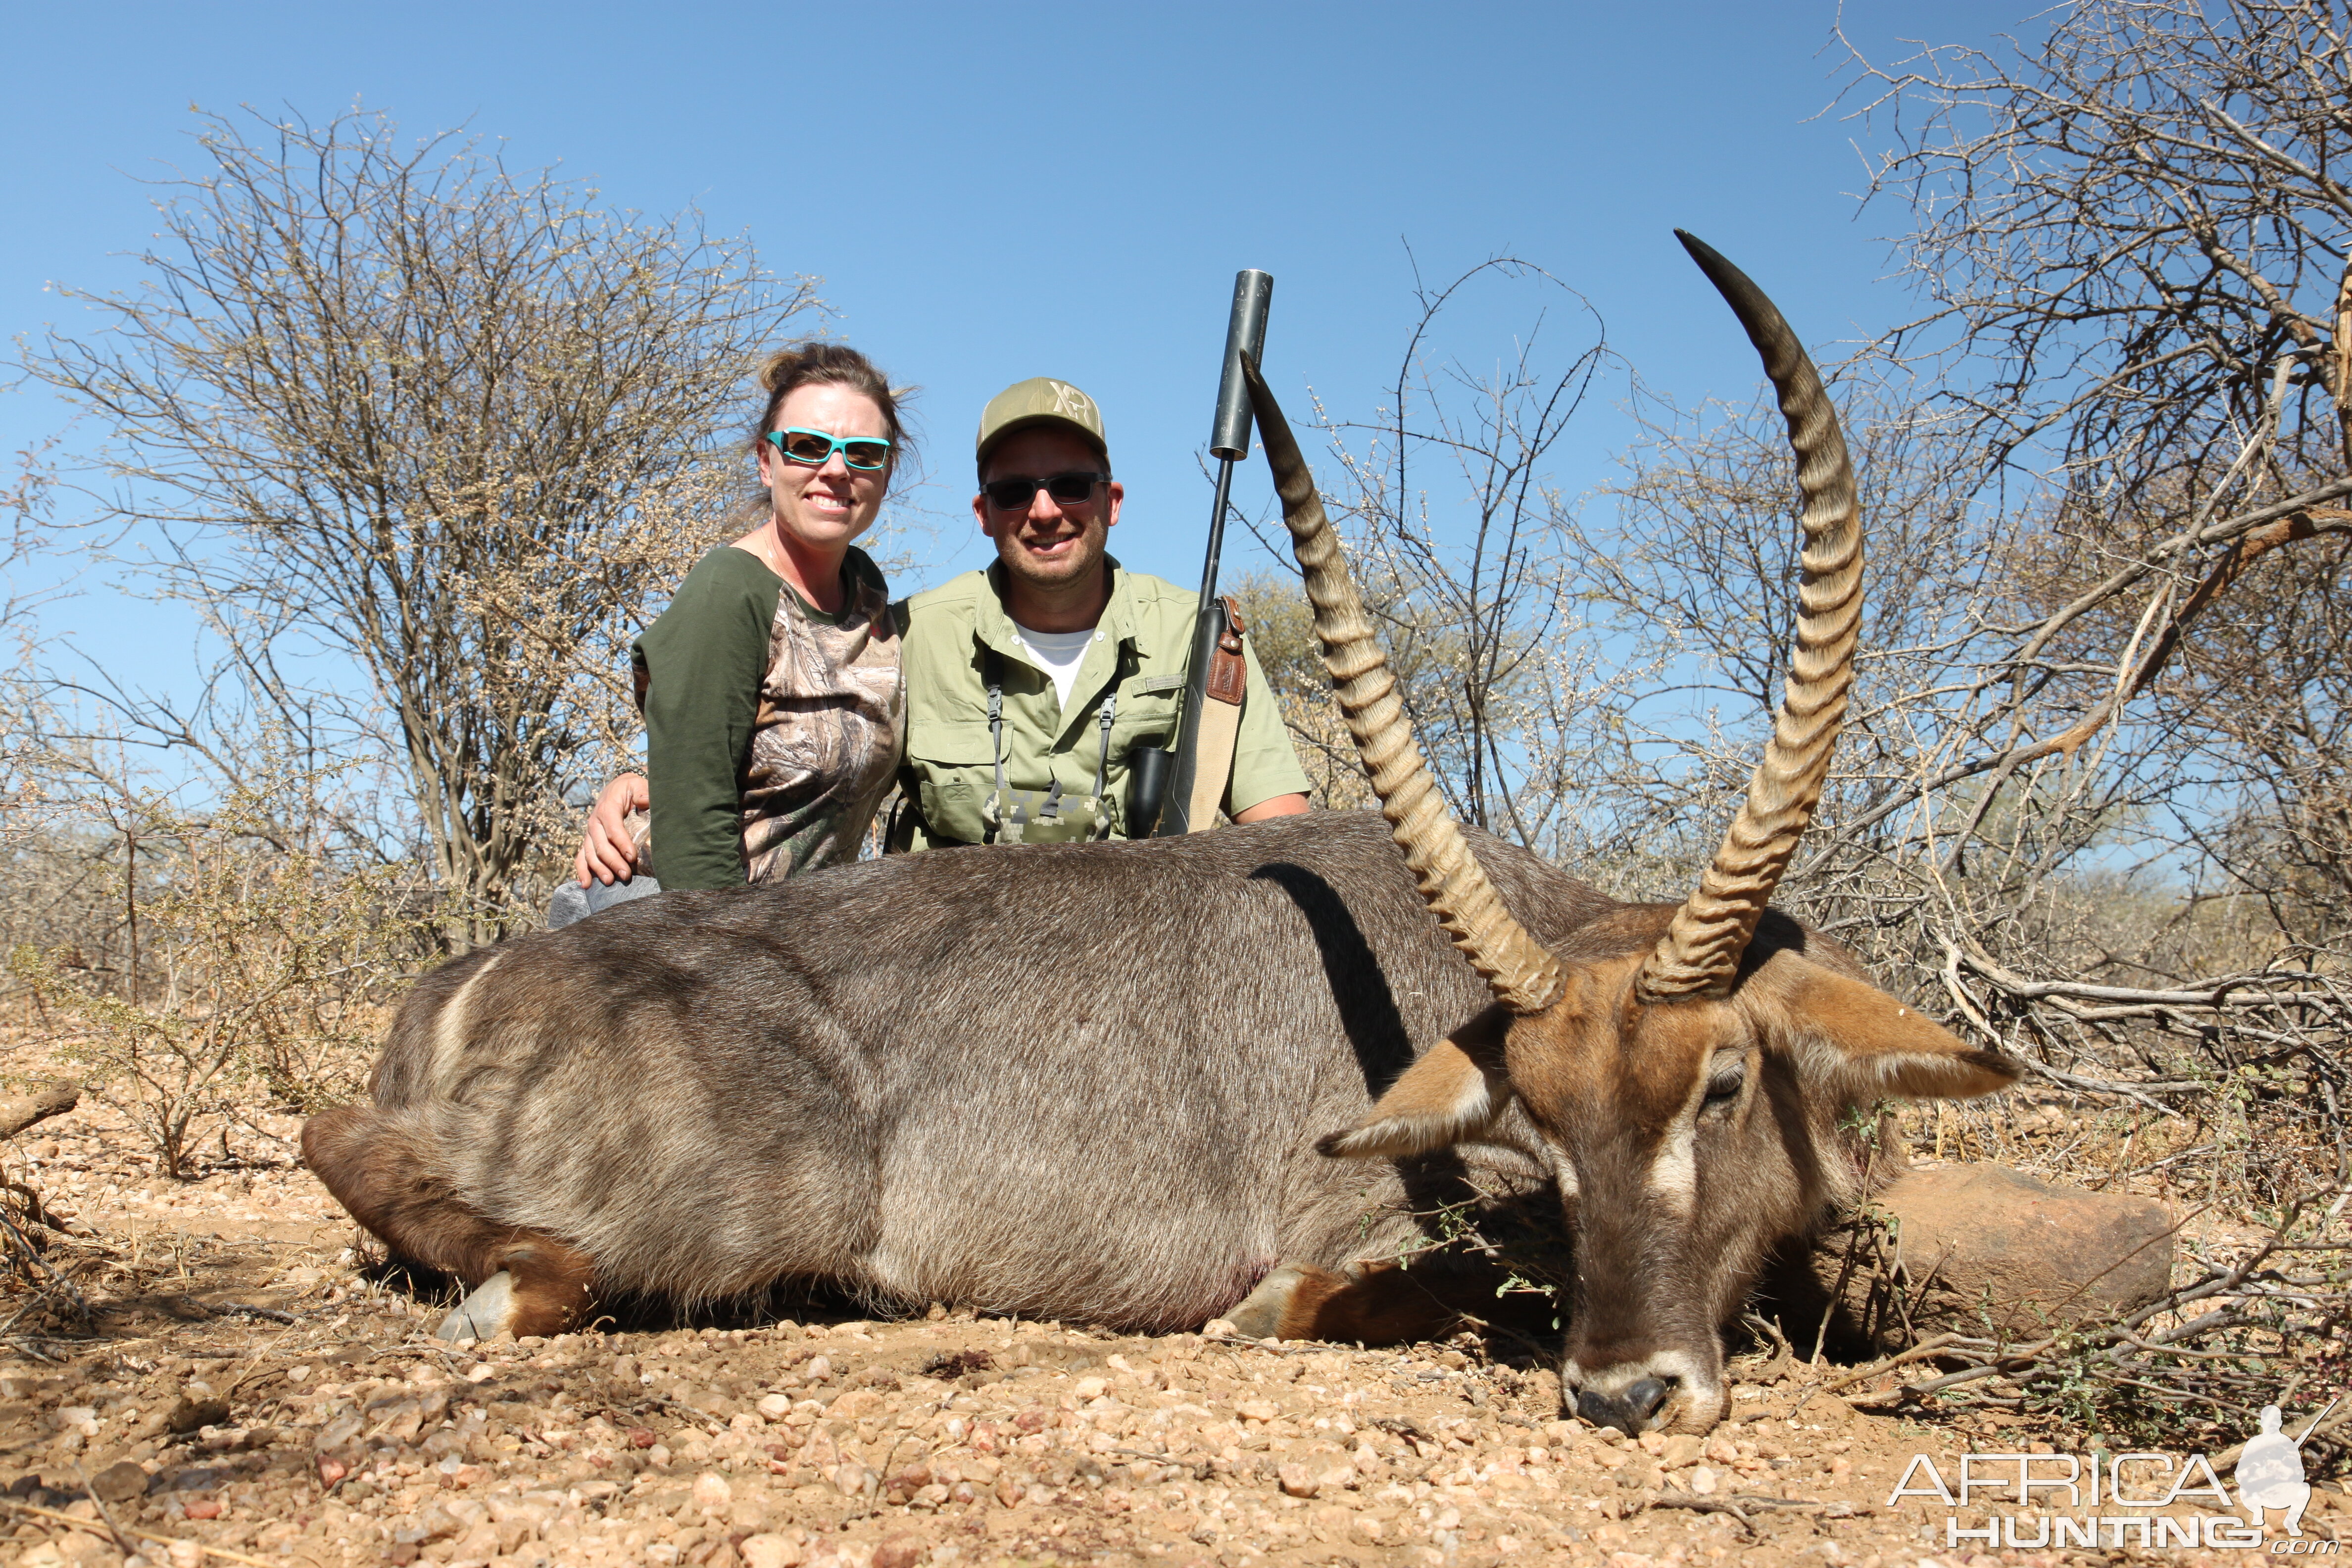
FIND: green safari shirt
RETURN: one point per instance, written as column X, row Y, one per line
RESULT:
column 1141, row 647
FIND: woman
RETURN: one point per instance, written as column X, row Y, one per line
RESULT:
column 769, row 687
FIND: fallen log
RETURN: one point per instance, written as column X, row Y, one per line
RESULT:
column 50, row 1097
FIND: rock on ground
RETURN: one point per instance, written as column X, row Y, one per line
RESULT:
column 1960, row 1247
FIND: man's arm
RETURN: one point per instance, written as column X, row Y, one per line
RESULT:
column 1267, row 779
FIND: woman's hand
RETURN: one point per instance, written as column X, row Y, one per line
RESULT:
column 607, row 855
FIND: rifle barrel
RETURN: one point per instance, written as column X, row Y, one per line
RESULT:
column 1229, row 442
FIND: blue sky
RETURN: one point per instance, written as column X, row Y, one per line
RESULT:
column 994, row 193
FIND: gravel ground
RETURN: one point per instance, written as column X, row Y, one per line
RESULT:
column 246, row 1390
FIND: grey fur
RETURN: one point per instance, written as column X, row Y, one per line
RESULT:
column 1070, row 1081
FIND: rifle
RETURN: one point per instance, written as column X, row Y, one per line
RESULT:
column 1162, row 783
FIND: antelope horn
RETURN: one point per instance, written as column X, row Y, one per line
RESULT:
column 1522, row 976
column 1700, row 954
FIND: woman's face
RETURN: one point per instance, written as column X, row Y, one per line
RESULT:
column 824, row 508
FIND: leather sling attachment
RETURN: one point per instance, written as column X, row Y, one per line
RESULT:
column 1220, row 720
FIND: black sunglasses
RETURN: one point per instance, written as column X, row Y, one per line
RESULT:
column 1070, row 489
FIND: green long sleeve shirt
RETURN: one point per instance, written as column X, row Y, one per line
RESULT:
column 772, row 728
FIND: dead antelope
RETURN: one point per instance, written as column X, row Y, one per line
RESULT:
column 1087, row 1081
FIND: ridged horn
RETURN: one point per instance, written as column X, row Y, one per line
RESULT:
column 1522, row 975
column 1700, row 954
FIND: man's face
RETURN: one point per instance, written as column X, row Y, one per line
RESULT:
column 1051, row 544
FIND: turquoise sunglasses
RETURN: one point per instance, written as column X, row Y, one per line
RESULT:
column 815, row 448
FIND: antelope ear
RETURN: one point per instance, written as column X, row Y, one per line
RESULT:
column 1454, row 1092
column 1874, row 1046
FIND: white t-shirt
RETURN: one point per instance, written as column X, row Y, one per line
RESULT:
column 1058, row 654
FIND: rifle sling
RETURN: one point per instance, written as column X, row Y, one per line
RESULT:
column 1220, row 721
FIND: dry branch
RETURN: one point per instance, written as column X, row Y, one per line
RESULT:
column 208, row 1550
column 2200, row 1337
column 55, row 1098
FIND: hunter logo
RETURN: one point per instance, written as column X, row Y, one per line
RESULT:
column 2270, row 1471
column 2269, row 1475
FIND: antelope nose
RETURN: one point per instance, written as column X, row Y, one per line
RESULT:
column 1645, row 1396
column 1634, row 1409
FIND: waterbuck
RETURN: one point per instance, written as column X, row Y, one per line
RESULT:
column 1099, row 1082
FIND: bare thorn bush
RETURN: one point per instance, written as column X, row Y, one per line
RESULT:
column 461, row 425
column 1453, row 524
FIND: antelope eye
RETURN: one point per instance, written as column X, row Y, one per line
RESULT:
column 1723, row 1085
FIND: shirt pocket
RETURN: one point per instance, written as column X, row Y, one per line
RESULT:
column 957, row 742
column 950, row 759
column 1146, row 717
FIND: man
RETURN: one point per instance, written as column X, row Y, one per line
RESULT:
column 2270, row 1471
column 1087, row 660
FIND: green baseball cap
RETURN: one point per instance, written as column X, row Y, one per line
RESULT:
column 1040, row 400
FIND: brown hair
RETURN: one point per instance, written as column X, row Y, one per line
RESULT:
column 817, row 362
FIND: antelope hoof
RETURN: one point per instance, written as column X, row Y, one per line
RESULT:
column 484, row 1314
column 1259, row 1316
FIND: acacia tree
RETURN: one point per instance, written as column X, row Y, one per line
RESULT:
column 2138, row 229
column 2090, row 800
column 25, row 505
column 2132, row 232
column 2136, row 233
column 1693, row 564
column 458, row 422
